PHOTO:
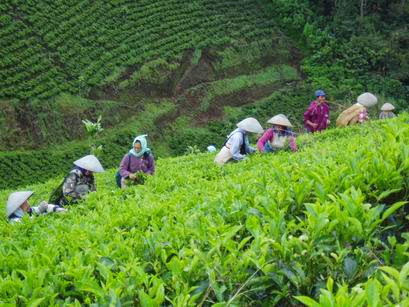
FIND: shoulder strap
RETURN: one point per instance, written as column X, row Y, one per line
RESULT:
column 57, row 193
column 243, row 145
column 230, row 135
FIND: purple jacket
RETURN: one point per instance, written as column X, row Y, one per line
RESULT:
column 131, row 164
column 317, row 114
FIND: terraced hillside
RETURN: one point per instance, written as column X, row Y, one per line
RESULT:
column 328, row 221
column 49, row 47
column 65, row 61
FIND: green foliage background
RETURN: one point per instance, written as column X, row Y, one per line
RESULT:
column 350, row 46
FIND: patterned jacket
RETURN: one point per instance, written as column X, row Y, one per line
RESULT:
column 385, row 115
column 77, row 185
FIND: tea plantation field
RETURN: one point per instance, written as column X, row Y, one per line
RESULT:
column 325, row 226
column 58, row 46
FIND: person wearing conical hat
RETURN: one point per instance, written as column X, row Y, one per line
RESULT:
column 80, row 180
column 139, row 160
column 237, row 145
column 357, row 113
column 277, row 137
column 316, row 118
column 387, row 111
column 18, row 206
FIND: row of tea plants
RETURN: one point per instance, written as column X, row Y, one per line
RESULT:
column 55, row 47
column 324, row 226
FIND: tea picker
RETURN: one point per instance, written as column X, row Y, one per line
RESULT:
column 278, row 137
column 316, row 118
column 18, row 206
column 136, row 164
column 78, row 183
column 237, row 145
column 357, row 113
column 387, row 111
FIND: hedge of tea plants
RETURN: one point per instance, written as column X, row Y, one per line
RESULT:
column 324, row 226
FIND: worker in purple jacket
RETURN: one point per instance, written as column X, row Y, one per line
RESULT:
column 136, row 162
column 316, row 118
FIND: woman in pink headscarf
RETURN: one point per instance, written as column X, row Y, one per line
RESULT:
column 316, row 118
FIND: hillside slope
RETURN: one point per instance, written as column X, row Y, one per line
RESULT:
column 62, row 62
column 183, row 73
column 260, row 231
column 60, row 46
column 203, row 115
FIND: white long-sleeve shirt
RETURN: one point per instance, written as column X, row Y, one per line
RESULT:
column 235, row 141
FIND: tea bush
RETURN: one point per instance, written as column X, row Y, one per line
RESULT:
column 272, row 230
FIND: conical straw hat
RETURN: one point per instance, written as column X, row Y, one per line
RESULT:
column 250, row 124
column 367, row 99
column 388, row 107
column 15, row 200
column 90, row 163
column 281, row 120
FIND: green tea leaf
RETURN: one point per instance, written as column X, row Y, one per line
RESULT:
column 350, row 267
column 145, row 299
column 372, row 294
column 36, row 302
column 307, row 301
